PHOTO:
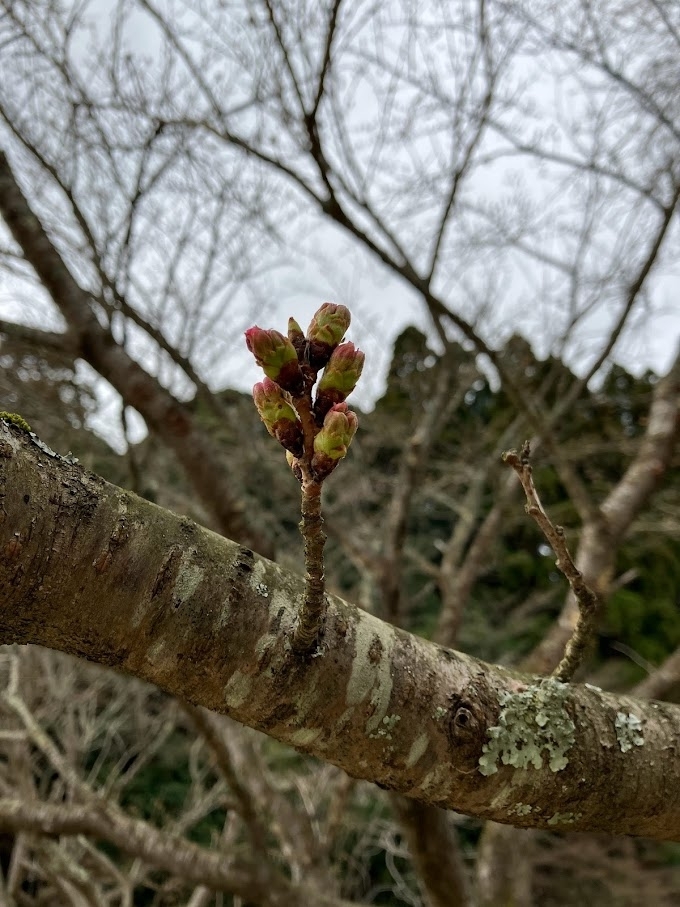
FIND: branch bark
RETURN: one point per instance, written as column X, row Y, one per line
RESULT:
column 89, row 569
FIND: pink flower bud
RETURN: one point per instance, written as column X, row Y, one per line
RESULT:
column 332, row 442
column 276, row 355
column 339, row 378
column 326, row 330
column 278, row 415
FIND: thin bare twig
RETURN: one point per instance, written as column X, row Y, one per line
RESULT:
column 588, row 601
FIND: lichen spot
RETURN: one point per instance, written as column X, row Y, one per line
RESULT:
column 533, row 724
column 258, row 579
column 188, row 579
column 389, row 723
column 628, row 731
column 520, row 809
column 564, row 818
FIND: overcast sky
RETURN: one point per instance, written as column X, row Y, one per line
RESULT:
column 323, row 264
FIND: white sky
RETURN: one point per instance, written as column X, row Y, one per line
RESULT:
column 382, row 304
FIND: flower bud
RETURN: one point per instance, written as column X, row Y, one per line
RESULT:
column 276, row 355
column 278, row 415
column 332, row 442
column 339, row 378
column 297, row 338
column 326, row 330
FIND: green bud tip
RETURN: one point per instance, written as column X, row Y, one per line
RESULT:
column 339, row 378
column 343, row 370
column 278, row 415
column 297, row 338
column 326, row 330
column 332, row 442
column 339, row 427
column 277, row 357
column 329, row 324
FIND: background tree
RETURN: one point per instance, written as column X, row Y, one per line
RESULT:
column 156, row 190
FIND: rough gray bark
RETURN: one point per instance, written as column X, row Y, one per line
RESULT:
column 89, row 569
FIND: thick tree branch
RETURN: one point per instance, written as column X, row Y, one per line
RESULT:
column 89, row 569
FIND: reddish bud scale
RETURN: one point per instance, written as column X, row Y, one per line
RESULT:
column 289, row 435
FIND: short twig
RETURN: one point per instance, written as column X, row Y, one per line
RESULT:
column 313, row 609
column 312, row 612
column 588, row 601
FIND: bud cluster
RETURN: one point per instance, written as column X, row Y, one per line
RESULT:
column 291, row 364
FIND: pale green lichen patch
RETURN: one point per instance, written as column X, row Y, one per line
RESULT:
column 268, row 647
column 533, row 724
column 520, row 809
column 257, row 579
column 628, row 731
column 564, row 818
column 389, row 722
column 439, row 713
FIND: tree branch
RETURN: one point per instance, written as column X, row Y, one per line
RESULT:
column 89, row 569
column 51, row 340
